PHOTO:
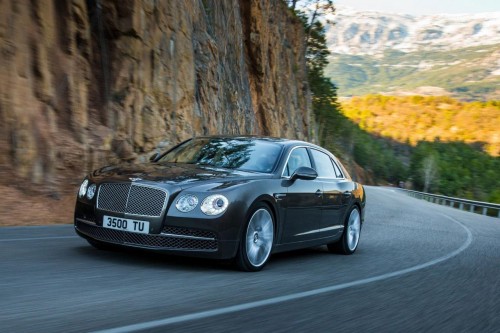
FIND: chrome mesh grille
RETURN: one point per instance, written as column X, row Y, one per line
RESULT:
column 113, row 197
column 146, row 240
column 131, row 199
column 153, row 205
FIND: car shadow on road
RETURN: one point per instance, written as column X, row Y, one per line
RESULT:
column 156, row 260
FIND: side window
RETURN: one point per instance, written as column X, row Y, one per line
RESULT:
column 324, row 165
column 298, row 158
column 338, row 172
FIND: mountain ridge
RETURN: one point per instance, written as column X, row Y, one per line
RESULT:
column 399, row 54
column 372, row 32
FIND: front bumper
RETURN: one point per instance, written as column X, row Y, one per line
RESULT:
column 179, row 236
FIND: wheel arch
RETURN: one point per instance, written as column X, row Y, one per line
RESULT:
column 361, row 210
column 355, row 203
column 270, row 203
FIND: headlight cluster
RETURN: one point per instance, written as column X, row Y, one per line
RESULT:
column 87, row 189
column 212, row 205
column 187, row 203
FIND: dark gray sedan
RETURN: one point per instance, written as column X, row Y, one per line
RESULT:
column 224, row 197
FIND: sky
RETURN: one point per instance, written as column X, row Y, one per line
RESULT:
column 419, row 7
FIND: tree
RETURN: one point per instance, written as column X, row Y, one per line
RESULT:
column 320, row 7
column 323, row 91
column 334, row 130
column 429, row 171
column 310, row 12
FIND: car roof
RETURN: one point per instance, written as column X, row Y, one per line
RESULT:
column 283, row 141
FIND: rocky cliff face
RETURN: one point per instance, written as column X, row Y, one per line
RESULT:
column 84, row 83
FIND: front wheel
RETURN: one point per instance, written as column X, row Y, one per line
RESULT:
column 257, row 240
column 349, row 241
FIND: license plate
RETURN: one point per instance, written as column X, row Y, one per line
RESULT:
column 118, row 223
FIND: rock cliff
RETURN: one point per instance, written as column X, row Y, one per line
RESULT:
column 84, row 83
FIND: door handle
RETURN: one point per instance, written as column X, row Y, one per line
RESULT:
column 319, row 193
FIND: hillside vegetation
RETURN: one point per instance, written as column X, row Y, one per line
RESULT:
column 404, row 139
column 416, row 118
column 438, row 144
column 465, row 74
column 378, row 157
column 455, row 169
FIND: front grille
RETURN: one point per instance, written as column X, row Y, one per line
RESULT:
column 147, row 240
column 113, row 197
column 131, row 199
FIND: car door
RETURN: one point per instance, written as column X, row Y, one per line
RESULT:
column 335, row 193
column 302, row 202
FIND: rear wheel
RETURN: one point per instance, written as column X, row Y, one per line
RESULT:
column 349, row 241
column 257, row 240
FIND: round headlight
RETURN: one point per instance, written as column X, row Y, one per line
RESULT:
column 91, row 191
column 83, row 188
column 214, row 204
column 186, row 203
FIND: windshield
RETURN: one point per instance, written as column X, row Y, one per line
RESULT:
column 232, row 153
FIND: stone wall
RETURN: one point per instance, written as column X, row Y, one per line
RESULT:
column 85, row 83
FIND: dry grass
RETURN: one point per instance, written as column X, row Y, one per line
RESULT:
column 21, row 208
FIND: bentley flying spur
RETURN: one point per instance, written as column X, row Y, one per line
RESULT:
column 230, row 197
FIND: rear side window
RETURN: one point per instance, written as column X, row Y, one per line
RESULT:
column 324, row 165
column 338, row 172
column 298, row 158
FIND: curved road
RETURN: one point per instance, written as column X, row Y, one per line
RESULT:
column 419, row 267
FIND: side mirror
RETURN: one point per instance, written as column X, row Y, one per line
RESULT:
column 304, row 173
column 153, row 157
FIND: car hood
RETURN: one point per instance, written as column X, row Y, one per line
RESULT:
column 182, row 175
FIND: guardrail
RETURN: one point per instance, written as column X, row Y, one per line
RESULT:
column 479, row 207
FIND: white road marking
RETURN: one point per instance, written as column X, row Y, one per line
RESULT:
column 251, row 305
column 36, row 238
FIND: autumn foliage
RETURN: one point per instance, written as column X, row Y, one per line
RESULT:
column 410, row 119
column 447, row 146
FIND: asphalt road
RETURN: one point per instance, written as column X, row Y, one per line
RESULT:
column 419, row 267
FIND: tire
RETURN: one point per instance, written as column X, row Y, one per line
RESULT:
column 257, row 240
column 348, row 243
column 102, row 246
